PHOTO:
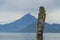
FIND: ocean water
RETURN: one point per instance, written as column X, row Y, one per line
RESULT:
column 17, row 36
column 51, row 36
column 28, row 36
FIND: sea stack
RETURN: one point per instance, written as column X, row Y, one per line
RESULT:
column 40, row 23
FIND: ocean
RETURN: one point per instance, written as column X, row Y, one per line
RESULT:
column 28, row 36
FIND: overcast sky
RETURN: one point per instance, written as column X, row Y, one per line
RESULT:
column 11, row 10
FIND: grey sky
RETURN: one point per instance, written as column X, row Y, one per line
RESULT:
column 17, row 8
column 27, row 5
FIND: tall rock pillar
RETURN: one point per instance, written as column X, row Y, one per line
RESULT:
column 40, row 23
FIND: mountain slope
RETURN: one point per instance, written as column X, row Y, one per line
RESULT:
column 30, row 28
column 28, row 24
column 52, row 28
column 19, row 25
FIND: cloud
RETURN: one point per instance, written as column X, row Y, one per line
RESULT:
column 17, row 8
column 53, row 17
column 24, row 5
column 8, row 17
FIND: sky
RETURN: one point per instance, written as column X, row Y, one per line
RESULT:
column 11, row 10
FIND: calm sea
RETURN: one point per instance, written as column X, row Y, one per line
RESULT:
column 28, row 36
